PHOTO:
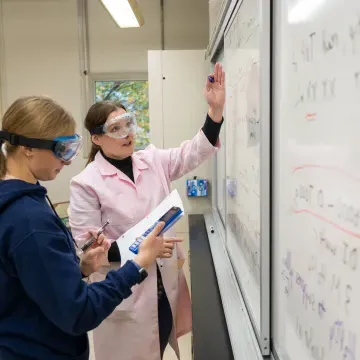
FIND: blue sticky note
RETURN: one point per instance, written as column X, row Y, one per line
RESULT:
column 197, row 188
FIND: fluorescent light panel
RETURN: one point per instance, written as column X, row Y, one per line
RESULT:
column 126, row 13
column 303, row 10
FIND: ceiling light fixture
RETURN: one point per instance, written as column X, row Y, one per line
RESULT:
column 126, row 13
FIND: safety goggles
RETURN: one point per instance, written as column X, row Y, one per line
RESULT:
column 65, row 148
column 118, row 127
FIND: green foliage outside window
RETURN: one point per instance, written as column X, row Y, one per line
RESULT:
column 133, row 94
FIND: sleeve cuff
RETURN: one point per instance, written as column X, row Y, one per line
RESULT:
column 212, row 122
column 212, row 129
column 137, row 265
column 130, row 273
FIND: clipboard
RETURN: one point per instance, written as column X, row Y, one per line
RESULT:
column 127, row 239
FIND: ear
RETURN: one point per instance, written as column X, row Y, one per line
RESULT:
column 96, row 140
column 26, row 151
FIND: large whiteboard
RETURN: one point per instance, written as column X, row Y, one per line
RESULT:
column 316, row 272
column 244, row 133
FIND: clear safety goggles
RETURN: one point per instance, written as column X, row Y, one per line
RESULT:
column 118, row 127
column 65, row 148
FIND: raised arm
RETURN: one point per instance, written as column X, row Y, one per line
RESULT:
column 177, row 162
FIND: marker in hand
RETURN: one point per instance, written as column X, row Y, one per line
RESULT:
column 92, row 239
column 211, row 79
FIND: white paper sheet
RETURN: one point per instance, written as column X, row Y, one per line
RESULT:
column 125, row 241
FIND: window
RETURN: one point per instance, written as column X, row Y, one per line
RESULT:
column 133, row 94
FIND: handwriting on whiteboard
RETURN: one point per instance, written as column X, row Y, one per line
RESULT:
column 327, row 281
column 322, row 201
column 318, row 48
column 247, row 240
column 312, row 92
column 316, row 45
column 240, row 33
column 341, row 340
column 320, row 281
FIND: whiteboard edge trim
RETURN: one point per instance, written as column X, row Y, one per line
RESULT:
column 242, row 336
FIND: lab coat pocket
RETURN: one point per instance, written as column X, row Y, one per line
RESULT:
column 124, row 309
column 170, row 269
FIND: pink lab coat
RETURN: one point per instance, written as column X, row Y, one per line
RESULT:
column 102, row 192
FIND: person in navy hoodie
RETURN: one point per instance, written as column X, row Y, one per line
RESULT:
column 46, row 308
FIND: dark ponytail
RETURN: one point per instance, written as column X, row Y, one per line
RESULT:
column 93, row 151
column 97, row 116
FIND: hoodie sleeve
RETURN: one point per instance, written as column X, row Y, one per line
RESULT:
column 50, row 275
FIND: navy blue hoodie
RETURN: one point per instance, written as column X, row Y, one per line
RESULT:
column 45, row 306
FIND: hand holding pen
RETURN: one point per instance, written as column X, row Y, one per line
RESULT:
column 93, row 256
column 94, row 238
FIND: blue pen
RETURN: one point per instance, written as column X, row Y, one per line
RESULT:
column 211, row 79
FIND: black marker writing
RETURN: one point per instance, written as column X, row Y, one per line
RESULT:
column 350, row 257
column 329, row 41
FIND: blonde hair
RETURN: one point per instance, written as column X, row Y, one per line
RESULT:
column 37, row 117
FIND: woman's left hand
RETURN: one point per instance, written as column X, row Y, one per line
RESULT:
column 168, row 247
column 95, row 257
column 215, row 93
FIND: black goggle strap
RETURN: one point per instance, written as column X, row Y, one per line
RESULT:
column 99, row 130
column 16, row 140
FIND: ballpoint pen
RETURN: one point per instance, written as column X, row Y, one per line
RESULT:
column 92, row 239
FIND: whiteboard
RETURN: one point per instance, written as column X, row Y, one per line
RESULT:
column 316, row 204
column 244, row 133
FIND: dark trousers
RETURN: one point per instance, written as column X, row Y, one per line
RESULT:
column 164, row 316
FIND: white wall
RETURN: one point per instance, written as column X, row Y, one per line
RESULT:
column 41, row 54
column 122, row 50
column 41, row 58
column 186, row 24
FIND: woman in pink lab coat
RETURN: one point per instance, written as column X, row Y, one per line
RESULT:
column 125, row 186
